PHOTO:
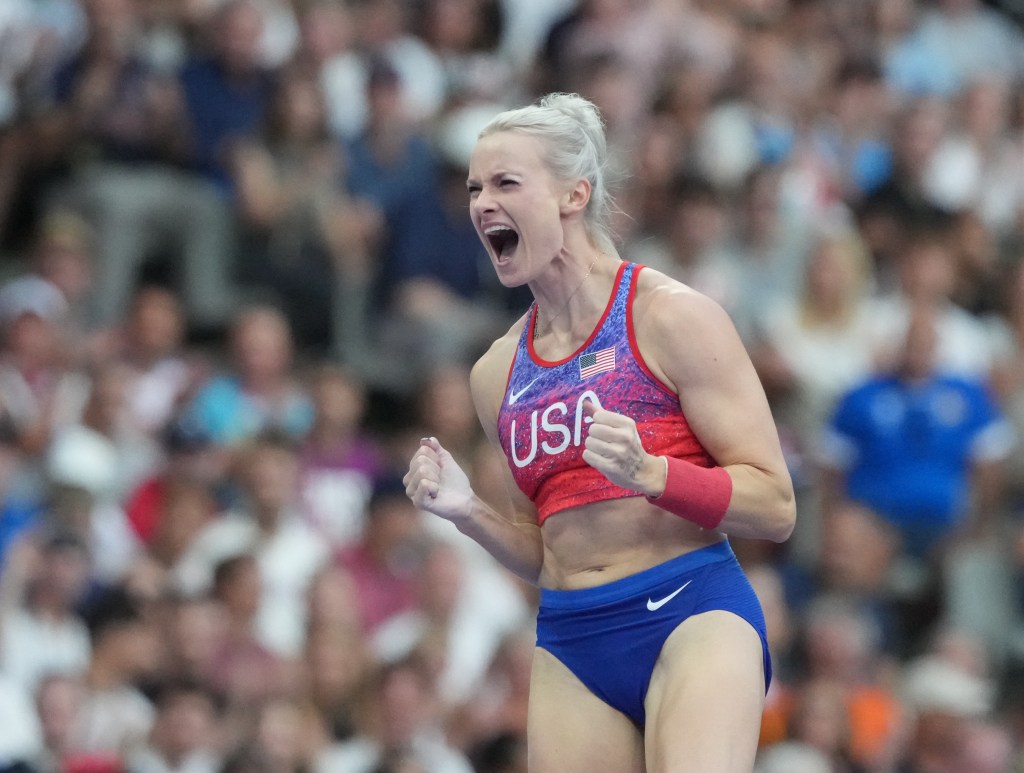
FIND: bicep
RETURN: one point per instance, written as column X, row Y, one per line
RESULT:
column 487, row 382
column 719, row 390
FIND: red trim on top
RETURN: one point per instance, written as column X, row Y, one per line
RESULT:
column 631, row 335
column 538, row 360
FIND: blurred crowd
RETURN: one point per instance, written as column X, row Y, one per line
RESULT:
column 239, row 282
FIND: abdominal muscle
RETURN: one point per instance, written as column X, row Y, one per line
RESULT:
column 605, row 541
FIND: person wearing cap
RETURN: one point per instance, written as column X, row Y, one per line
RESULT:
column 31, row 295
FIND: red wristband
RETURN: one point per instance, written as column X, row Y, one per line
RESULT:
column 698, row 494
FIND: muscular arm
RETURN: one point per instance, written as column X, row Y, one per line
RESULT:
column 436, row 484
column 689, row 341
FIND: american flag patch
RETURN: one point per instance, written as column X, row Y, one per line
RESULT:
column 592, row 363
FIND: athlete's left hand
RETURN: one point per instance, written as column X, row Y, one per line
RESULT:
column 613, row 448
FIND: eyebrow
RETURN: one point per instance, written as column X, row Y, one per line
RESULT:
column 497, row 175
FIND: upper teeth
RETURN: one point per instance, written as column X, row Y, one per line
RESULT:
column 496, row 228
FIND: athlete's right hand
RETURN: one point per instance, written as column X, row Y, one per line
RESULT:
column 436, row 483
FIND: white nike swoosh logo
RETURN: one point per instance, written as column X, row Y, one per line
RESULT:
column 656, row 605
column 513, row 395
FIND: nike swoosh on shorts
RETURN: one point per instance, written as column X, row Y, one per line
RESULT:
column 653, row 606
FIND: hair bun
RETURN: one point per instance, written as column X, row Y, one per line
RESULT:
column 581, row 110
column 569, row 103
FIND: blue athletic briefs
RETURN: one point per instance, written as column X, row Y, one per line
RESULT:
column 610, row 635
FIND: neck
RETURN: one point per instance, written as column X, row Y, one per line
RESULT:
column 48, row 607
column 262, row 384
column 331, row 436
column 547, row 319
column 104, row 675
column 268, row 518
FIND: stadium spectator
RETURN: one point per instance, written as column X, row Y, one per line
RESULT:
column 260, row 389
column 920, row 447
column 124, row 130
column 268, row 522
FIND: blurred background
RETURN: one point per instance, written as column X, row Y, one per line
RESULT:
column 239, row 282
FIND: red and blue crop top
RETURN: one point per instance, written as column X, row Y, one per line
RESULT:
column 541, row 423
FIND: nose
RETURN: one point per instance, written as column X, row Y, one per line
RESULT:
column 482, row 202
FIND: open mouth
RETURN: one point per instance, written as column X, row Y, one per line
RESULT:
column 503, row 240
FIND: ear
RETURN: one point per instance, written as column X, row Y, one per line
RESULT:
column 576, row 198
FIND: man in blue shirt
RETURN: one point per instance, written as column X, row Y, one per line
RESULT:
column 919, row 446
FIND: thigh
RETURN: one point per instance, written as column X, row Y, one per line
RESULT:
column 705, row 698
column 571, row 730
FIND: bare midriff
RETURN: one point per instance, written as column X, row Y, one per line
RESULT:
column 605, row 541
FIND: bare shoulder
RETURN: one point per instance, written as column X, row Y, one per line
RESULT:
column 663, row 300
column 681, row 331
column 489, row 374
